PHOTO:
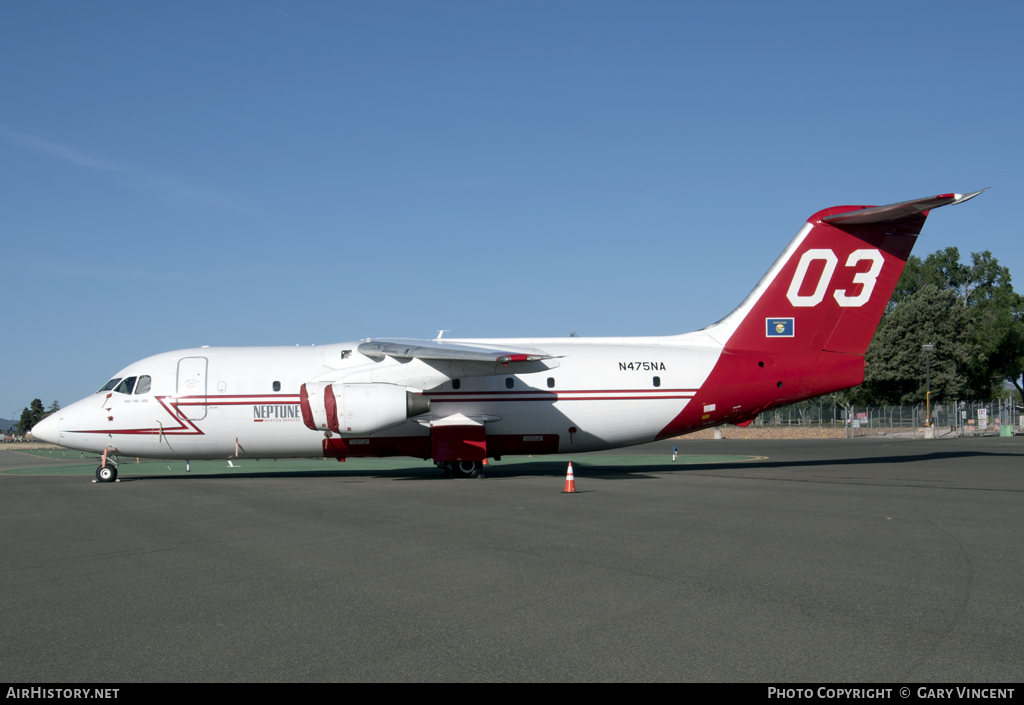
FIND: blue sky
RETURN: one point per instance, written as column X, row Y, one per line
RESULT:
column 263, row 173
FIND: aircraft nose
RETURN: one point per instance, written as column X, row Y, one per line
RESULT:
column 46, row 430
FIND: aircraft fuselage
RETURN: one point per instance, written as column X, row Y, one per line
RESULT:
column 245, row 402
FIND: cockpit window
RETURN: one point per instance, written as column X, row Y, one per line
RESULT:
column 126, row 385
column 143, row 386
column 110, row 385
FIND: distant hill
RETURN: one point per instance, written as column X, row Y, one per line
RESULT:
column 5, row 424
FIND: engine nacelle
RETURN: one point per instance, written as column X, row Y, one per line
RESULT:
column 311, row 401
column 358, row 409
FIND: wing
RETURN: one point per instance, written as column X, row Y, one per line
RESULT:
column 449, row 352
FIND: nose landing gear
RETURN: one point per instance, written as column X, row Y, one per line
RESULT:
column 106, row 472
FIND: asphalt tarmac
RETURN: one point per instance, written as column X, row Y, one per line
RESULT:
column 800, row 561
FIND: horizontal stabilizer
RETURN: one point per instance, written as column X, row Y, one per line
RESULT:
column 897, row 211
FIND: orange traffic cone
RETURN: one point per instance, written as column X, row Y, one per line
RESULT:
column 570, row 482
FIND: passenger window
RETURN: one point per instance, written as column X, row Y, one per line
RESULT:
column 110, row 385
column 277, row 386
column 143, row 386
column 126, row 386
column 509, row 383
column 551, row 382
column 456, row 383
column 657, row 381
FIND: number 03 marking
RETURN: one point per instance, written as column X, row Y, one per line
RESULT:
column 865, row 279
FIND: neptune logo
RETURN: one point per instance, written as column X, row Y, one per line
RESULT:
column 276, row 412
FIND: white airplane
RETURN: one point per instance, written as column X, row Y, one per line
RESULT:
column 800, row 333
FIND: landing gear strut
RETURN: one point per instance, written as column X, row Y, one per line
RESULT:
column 106, row 473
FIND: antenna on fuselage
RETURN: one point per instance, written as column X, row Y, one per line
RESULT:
column 442, row 332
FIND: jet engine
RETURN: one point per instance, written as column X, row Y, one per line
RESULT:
column 358, row 409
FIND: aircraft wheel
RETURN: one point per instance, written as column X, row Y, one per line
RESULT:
column 466, row 468
column 106, row 473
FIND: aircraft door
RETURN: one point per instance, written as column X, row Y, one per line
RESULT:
column 192, row 387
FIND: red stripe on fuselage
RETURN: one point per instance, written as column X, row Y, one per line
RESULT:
column 554, row 399
column 570, row 391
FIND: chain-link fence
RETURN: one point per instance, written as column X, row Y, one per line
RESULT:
column 961, row 418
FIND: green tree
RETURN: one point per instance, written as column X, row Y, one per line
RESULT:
column 30, row 416
column 895, row 366
column 998, row 318
column 979, row 301
column 25, row 422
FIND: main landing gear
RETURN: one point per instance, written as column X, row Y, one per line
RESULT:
column 463, row 468
column 106, row 473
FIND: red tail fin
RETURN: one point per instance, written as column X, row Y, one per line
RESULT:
column 828, row 290
column 805, row 327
